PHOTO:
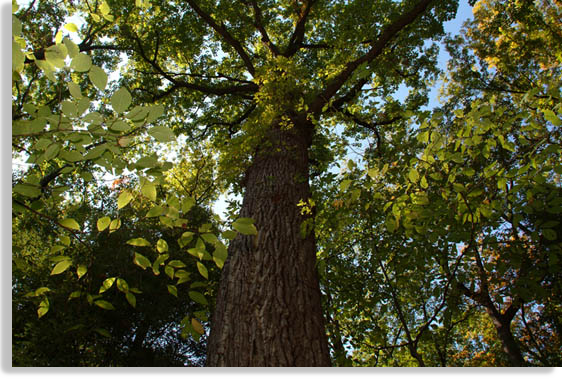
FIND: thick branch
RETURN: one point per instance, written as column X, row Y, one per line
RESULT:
column 377, row 47
column 298, row 34
column 258, row 23
column 221, row 30
column 205, row 88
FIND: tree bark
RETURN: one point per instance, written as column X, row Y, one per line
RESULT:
column 268, row 310
column 509, row 344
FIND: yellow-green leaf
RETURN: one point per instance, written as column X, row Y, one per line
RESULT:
column 173, row 290
column 61, row 267
column 124, row 198
column 141, row 261
column 104, row 305
column 70, row 223
column 131, row 299
column 81, row 271
column 98, row 77
column 162, row 246
column 103, row 223
column 71, row 27
column 244, row 228
column 43, row 308
column 138, row 242
column 149, row 190
column 81, row 62
column 202, row 270
column 107, row 283
column 121, row 100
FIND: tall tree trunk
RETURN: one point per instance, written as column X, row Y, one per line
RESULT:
column 268, row 310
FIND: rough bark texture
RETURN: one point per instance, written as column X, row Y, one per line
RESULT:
column 268, row 310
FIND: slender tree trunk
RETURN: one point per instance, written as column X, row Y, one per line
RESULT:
column 509, row 344
column 268, row 310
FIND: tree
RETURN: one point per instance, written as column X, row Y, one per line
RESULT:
column 282, row 72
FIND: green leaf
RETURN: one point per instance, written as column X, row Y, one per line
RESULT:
column 71, row 27
column 229, row 234
column 242, row 225
column 43, row 308
column 161, row 246
column 74, row 90
column 182, row 275
column 344, row 185
column 81, row 62
column 61, row 267
column 131, row 299
column 107, row 283
column 162, row 133
column 202, row 270
column 29, row 190
column 115, row 224
column 71, row 47
column 70, row 223
column 220, row 254
column 81, row 271
column 121, row 100
column 155, row 211
column 138, row 242
column 104, row 305
column 124, row 198
column 391, row 224
column 413, row 175
column 98, row 77
column 141, row 261
column 423, row 182
column 551, row 117
column 102, row 332
column 173, row 290
column 122, row 285
column 103, row 223
column 148, row 189
column 198, row 297
column 176, row 263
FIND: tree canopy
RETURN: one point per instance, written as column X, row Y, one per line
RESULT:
column 364, row 226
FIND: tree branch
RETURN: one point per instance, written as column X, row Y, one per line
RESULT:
column 258, row 23
column 223, row 32
column 377, row 47
column 176, row 84
column 297, row 37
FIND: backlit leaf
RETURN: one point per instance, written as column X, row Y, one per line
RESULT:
column 103, row 223
column 70, row 223
column 98, row 77
column 202, row 270
column 81, row 62
column 124, row 198
column 61, row 267
column 104, row 305
column 138, row 242
column 141, row 261
column 121, row 100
